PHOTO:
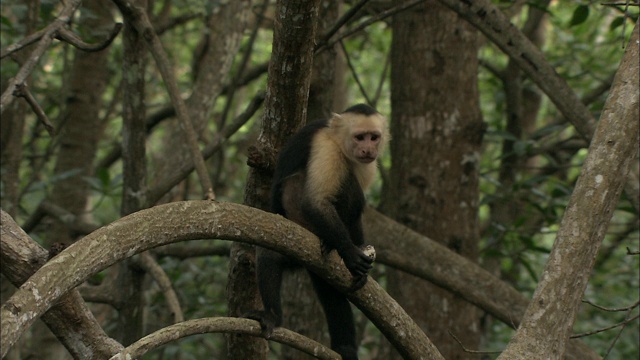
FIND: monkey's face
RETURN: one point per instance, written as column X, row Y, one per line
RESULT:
column 364, row 146
column 361, row 137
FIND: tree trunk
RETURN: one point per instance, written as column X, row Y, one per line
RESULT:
column 82, row 127
column 436, row 123
column 130, row 279
column 302, row 311
column 285, row 112
column 548, row 321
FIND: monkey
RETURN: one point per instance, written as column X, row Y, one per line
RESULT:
column 319, row 182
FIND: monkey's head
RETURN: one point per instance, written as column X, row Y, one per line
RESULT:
column 361, row 132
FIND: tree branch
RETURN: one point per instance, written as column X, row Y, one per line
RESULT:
column 73, row 39
column 193, row 220
column 69, row 319
column 222, row 325
column 149, row 264
column 22, row 90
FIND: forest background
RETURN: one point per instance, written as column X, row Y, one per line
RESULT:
column 512, row 176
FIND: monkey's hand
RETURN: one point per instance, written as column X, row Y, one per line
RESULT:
column 358, row 263
column 268, row 321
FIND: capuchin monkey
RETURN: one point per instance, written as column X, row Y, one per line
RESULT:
column 318, row 183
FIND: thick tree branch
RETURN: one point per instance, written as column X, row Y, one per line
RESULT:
column 69, row 319
column 223, row 325
column 193, row 220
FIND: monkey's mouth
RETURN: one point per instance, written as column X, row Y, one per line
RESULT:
column 366, row 159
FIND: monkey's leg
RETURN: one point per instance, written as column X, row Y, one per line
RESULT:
column 269, row 270
column 339, row 316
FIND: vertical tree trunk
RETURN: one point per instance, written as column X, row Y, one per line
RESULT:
column 82, row 127
column 436, row 123
column 129, row 280
column 302, row 311
column 547, row 324
column 78, row 136
column 285, row 112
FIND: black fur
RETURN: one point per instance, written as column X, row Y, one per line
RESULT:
column 363, row 109
column 293, row 158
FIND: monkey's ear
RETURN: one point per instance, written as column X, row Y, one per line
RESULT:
column 335, row 121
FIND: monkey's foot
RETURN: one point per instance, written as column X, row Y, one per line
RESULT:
column 268, row 321
column 358, row 282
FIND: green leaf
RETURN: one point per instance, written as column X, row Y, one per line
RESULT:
column 580, row 15
column 617, row 22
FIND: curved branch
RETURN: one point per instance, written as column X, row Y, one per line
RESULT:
column 222, row 325
column 73, row 39
column 151, row 266
column 69, row 319
column 192, row 220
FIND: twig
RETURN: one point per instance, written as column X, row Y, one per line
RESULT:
column 615, row 340
column 383, row 15
column 614, row 309
column 355, row 74
column 155, row 193
column 383, row 78
column 340, row 23
column 22, row 90
column 233, row 85
column 632, row 252
column 472, row 351
column 623, row 323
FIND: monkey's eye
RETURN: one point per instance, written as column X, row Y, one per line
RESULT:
column 374, row 137
column 359, row 137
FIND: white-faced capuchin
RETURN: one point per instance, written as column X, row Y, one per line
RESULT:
column 318, row 183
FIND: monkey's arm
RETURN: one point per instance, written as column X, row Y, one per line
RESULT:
column 326, row 224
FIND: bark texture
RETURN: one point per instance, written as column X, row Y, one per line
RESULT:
column 433, row 184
